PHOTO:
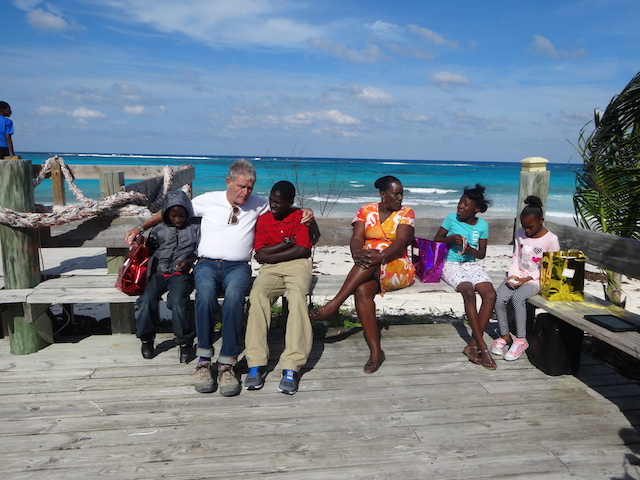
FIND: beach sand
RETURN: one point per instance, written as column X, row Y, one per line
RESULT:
column 328, row 261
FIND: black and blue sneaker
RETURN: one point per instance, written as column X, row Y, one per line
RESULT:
column 289, row 382
column 255, row 378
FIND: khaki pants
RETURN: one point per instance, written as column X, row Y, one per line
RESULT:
column 294, row 278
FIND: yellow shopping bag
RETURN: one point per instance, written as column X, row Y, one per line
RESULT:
column 562, row 276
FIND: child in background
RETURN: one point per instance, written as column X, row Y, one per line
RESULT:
column 172, row 250
column 467, row 237
column 523, row 279
column 6, row 130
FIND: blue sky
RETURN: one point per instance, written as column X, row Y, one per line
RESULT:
column 456, row 80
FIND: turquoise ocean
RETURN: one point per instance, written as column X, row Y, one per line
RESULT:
column 337, row 187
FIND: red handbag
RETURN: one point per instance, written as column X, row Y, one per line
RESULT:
column 132, row 277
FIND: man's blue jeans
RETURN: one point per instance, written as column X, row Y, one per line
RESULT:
column 179, row 287
column 213, row 278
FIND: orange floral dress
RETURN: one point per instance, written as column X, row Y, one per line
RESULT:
column 400, row 272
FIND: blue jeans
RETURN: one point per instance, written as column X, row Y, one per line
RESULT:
column 179, row 287
column 213, row 278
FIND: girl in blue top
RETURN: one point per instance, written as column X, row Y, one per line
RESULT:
column 467, row 237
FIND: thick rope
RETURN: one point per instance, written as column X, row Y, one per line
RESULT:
column 68, row 176
column 118, row 204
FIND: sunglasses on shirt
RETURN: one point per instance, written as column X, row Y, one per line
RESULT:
column 233, row 218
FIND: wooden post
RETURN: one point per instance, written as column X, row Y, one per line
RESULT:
column 20, row 257
column 122, row 314
column 534, row 180
column 57, row 183
column 110, row 183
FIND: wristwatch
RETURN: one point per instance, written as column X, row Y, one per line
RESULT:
column 287, row 240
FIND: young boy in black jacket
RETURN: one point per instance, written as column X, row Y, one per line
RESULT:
column 172, row 248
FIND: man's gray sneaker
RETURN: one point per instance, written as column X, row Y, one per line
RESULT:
column 289, row 382
column 255, row 378
column 228, row 383
column 202, row 378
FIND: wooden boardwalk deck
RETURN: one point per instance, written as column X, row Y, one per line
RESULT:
column 96, row 409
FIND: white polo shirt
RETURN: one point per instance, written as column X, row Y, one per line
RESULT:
column 220, row 240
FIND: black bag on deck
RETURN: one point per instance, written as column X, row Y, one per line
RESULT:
column 554, row 345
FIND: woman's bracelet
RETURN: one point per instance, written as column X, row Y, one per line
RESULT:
column 141, row 229
column 384, row 259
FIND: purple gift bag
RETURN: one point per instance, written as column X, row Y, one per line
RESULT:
column 429, row 258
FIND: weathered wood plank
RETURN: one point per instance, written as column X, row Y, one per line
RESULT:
column 607, row 251
column 151, row 187
column 97, row 408
column 92, row 172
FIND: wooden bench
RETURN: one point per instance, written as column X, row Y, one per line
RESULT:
column 105, row 232
column 608, row 252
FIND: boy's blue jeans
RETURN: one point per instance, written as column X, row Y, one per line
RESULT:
column 179, row 288
column 211, row 279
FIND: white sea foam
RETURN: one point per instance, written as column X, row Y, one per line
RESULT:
column 116, row 155
column 438, row 191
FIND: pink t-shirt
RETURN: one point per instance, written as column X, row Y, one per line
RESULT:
column 528, row 254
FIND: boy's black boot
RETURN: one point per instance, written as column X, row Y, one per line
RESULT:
column 187, row 353
column 147, row 349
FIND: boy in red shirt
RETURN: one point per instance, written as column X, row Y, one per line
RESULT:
column 282, row 246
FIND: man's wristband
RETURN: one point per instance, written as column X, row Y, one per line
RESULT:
column 141, row 228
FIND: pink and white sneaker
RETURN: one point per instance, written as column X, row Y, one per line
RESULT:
column 497, row 347
column 517, row 349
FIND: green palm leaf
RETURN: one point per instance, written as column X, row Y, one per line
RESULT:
column 607, row 196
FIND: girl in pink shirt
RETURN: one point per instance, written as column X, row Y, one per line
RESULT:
column 523, row 280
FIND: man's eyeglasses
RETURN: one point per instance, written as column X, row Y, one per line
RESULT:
column 233, row 218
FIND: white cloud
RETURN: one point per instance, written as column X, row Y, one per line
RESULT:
column 372, row 53
column 375, row 96
column 543, row 46
column 413, row 118
column 135, row 110
column 26, row 5
column 477, row 123
column 43, row 20
column 446, row 80
column 85, row 113
column 223, row 23
column 81, row 113
column 577, row 119
column 336, row 132
column 412, row 52
column 433, row 37
column 331, row 116
column 380, row 26
column 46, row 110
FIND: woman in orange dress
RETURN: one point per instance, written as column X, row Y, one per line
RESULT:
column 381, row 234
